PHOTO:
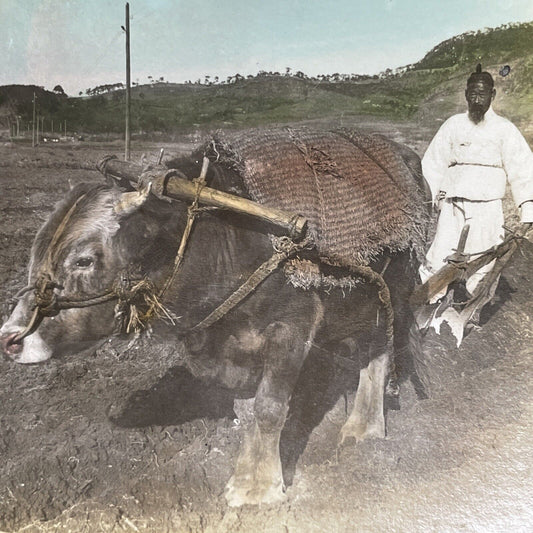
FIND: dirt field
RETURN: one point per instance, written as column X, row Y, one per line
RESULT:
column 115, row 440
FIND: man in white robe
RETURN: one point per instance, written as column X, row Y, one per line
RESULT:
column 467, row 166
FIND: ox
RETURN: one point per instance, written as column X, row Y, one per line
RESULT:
column 97, row 232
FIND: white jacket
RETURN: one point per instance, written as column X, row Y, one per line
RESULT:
column 474, row 161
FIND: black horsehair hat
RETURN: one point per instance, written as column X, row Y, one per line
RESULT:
column 479, row 76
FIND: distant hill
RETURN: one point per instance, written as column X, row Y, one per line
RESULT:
column 502, row 44
column 429, row 91
column 17, row 101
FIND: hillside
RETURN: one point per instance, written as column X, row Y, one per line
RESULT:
column 17, row 101
column 502, row 44
column 428, row 91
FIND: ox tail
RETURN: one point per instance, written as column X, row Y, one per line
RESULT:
column 407, row 364
column 418, row 362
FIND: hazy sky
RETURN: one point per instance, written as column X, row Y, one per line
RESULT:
column 79, row 43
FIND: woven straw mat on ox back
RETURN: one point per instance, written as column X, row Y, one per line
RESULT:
column 355, row 190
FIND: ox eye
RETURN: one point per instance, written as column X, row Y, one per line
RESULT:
column 84, row 262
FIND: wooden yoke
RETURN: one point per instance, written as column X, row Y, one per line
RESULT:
column 166, row 183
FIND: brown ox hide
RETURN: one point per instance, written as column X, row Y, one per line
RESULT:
column 259, row 346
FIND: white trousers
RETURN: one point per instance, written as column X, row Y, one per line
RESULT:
column 486, row 230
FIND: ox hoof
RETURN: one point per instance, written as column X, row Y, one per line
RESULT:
column 359, row 432
column 247, row 493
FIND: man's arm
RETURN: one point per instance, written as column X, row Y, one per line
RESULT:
column 518, row 164
column 437, row 159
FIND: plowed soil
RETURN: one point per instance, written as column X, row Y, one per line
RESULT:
column 125, row 439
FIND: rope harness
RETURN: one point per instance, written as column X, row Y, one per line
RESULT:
column 132, row 295
column 138, row 300
column 192, row 213
column 283, row 250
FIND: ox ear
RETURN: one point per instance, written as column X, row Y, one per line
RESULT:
column 129, row 202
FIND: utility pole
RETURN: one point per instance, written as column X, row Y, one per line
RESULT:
column 128, row 84
column 33, row 124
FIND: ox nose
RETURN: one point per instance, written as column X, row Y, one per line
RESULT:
column 9, row 345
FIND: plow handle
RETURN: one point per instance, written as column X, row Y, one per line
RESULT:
column 462, row 271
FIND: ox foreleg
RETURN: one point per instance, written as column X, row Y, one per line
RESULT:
column 258, row 475
column 367, row 419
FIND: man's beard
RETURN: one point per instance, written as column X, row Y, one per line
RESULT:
column 476, row 113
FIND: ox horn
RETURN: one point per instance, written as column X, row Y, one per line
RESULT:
column 131, row 201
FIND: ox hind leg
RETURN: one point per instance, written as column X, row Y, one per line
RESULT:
column 367, row 419
column 258, row 474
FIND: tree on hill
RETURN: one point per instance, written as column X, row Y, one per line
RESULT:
column 59, row 90
column 102, row 89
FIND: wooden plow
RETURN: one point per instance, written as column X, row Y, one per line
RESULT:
column 459, row 268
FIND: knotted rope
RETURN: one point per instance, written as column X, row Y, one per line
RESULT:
column 192, row 213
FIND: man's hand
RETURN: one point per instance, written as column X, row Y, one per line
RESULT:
column 439, row 201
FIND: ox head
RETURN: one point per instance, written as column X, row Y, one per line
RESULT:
column 94, row 234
